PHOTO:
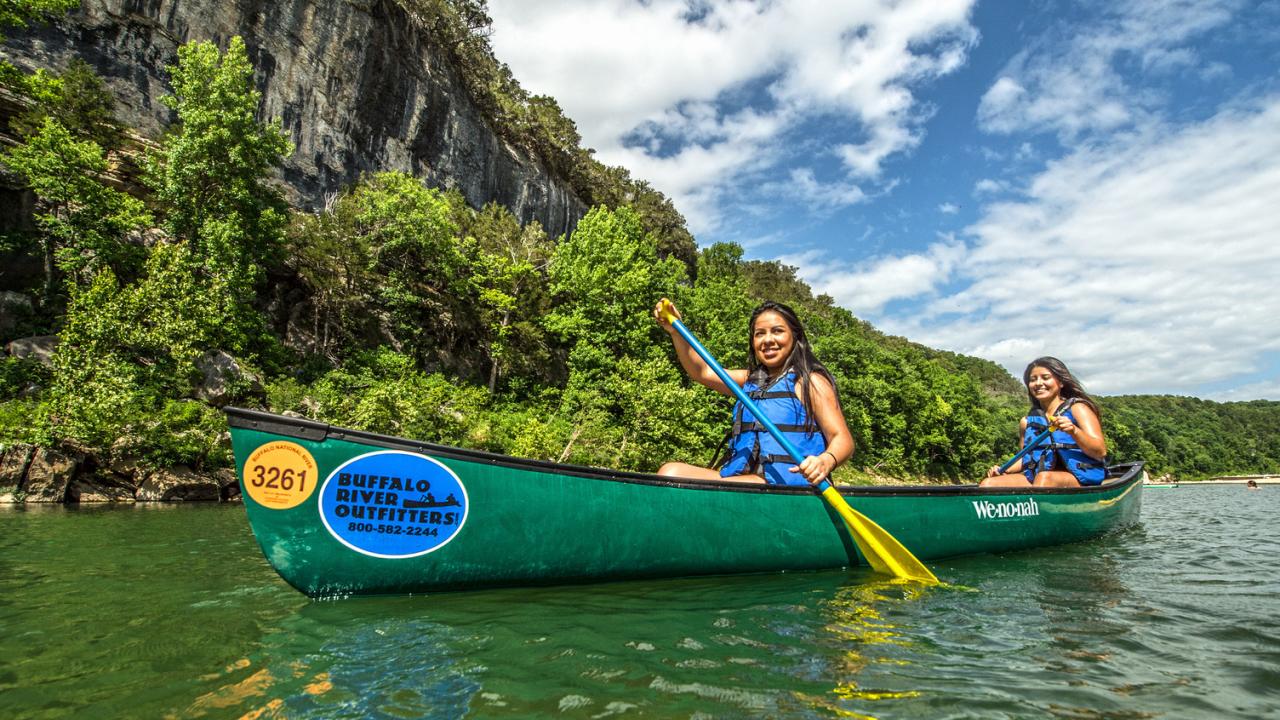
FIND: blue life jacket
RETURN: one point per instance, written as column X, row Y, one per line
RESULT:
column 753, row 450
column 1059, row 451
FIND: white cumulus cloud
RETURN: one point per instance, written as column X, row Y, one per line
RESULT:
column 1148, row 264
column 700, row 99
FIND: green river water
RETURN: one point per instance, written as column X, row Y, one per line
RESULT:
column 154, row 612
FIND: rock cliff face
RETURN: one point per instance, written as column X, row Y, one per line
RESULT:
column 356, row 84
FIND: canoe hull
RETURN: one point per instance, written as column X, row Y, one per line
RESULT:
column 373, row 514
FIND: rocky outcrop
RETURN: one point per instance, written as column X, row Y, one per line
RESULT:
column 178, row 483
column 48, row 476
column 30, row 474
column 100, row 488
column 357, row 85
column 14, row 461
column 39, row 349
column 14, row 307
column 222, row 379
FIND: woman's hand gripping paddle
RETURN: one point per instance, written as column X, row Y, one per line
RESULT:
column 1035, row 441
column 882, row 550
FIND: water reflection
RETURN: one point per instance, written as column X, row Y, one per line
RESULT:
column 859, row 633
column 781, row 645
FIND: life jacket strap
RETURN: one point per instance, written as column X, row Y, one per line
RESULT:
column 758, row 427
column 770, row 394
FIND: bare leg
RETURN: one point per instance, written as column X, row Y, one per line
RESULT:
column 1056, row 479
column 695, row 472
column 1006, row 480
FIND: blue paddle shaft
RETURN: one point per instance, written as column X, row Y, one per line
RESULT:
column 741, row 394
column 1029, row 447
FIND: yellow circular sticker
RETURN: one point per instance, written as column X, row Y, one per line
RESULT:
column 280, row 475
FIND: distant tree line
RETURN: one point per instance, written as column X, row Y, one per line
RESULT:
column 400, row 309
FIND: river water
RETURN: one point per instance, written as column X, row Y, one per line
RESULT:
column 171, row 611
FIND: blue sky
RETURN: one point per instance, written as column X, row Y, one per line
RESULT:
column 1098, row 181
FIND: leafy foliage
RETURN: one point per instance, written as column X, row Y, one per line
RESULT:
column 511, row 268
column 21, row 13
column 210, row 175
column 84, row 221
column 1191, row 438
column 76, row 98
column 138, row 318
column 413, row 314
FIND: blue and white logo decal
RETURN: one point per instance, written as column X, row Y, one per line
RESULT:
column 393, row 504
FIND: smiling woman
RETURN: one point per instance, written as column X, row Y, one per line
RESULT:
column 1062, row 442
column 793, row 390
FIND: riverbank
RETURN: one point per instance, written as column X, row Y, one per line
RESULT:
column 31, row 474
column 1236, row 480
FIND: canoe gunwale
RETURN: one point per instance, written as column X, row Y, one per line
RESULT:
column 314, row 431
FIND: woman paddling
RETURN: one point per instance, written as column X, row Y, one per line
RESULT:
column 1076, row 452
column 793, row 390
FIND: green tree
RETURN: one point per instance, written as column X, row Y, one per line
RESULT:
column 331, row 257
column 21, row 13
column 386, row 261
column 719, row 304
column 606, row 278
column 84, row 221
column 423, row 268
column 210, row 174
column 129, row 350
column 77, row 98
column 511, row 279
column 210, row 181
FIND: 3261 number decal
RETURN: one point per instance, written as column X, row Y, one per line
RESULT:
column 274, row 477
column 280, row 475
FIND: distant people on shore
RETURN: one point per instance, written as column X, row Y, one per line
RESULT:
column 1251, row 485
column 1075, row 453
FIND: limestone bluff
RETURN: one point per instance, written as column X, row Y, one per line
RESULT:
column 358, row 87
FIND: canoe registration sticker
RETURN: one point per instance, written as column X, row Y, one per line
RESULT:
column 280, row 475
column 393, row 504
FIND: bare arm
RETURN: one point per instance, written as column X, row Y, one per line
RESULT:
column 1086, row 430
column 693, row 365
column 1022, row 441
column 826, row 411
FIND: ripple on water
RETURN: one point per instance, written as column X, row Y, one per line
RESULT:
column 1175, row 618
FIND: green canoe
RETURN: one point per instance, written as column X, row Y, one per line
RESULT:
column 344, row 512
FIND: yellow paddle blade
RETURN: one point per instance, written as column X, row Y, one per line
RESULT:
column 881, row 549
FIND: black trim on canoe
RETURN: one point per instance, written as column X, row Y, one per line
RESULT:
column 314, row 431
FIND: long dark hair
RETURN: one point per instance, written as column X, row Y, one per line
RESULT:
column 1070, row 386
column 801, row 360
